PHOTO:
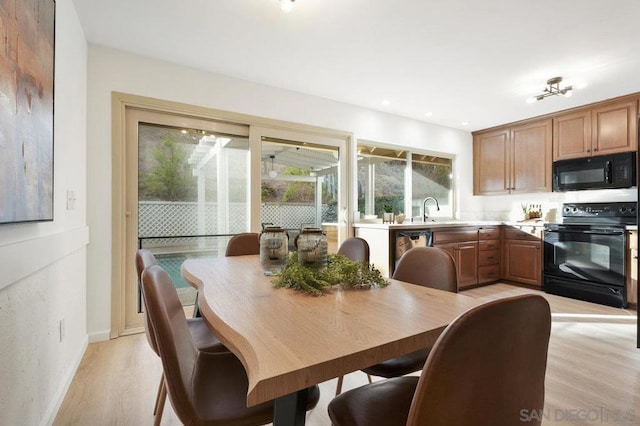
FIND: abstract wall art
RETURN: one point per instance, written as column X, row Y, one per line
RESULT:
column 27, row 40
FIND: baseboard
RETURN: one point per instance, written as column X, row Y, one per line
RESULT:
column 54, row 406
column 99, row 336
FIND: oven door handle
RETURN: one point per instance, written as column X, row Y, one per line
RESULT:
column 585, row 232
column 612, row 232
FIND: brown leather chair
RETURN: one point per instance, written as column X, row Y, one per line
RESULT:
column 203, row 338
column 487, row 366
column 356, row 249
column 429, row 267
column 243, row 244
column 205, row 388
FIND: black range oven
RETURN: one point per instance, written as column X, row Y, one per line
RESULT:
column 584, row 256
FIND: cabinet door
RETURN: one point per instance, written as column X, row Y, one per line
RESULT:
column 531, row 157
column 615, row 128
column 572, row 135
column 522, row 261
column 467, row 264
column 490, row 163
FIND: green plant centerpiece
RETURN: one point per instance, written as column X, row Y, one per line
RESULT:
column 340, row 271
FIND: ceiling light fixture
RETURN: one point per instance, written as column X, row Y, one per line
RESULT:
column 553, row 89
column 272, row 173
column 286, row 5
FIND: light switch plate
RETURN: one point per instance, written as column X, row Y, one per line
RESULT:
column 71, row 199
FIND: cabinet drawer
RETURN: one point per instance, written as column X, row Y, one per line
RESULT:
column 488, row 257
column 488, row 273
column 440, row 237
column 523, row 233
column 489, row 245
column 489, row 233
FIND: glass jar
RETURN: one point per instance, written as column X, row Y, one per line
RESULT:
column 312, row 248
column 274, row 248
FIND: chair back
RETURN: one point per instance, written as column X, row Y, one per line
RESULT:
column 174, row 342
column 243, row 244
column 429, row 267
column 356, row 249
column 487, row 366
column 144, row 259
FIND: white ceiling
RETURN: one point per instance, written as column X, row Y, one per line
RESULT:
column 461, row 60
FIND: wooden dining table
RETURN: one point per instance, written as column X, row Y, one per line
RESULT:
column 289, row 341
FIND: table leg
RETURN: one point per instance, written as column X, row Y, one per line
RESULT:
column 290, row 410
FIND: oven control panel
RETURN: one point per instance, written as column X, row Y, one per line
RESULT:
column 622, row 212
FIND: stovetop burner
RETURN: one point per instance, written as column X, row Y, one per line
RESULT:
column 620, row 213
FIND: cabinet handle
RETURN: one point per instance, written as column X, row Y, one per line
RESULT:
column 490, row 257
column 588, row 150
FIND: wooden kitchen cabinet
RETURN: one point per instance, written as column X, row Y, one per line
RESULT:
column 632, row 268
column 522, row 255
column 489, row 254
column 516, row 159
column 491, row 162
column 462, row 245
column 608, row 128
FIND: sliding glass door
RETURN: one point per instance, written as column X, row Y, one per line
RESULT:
column 188, row 193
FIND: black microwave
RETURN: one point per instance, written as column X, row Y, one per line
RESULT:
column 598, row 172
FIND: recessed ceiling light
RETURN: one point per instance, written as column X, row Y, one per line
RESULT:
column 428, row 114
column 465, row 123
column 386, row 102
column 286, row 5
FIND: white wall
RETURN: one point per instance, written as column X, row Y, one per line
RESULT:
column 43, row 265
column 111, row 70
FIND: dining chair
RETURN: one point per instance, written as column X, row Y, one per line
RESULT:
column 486, row 368
column 205, row 388
column 203, row 339
column 243, row 244
column 429, row 267
column 355, row 248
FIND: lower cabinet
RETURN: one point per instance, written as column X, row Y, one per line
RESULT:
column 462, row 245
column 489, row 254
column 523, row 256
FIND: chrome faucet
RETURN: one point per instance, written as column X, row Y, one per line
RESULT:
column 425, row 216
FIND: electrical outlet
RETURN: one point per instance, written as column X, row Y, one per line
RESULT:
column 61, row 329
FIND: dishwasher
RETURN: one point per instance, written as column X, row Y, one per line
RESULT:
column 406, row 240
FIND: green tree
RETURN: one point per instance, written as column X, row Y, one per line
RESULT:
column 170, row 178
column 298, row 192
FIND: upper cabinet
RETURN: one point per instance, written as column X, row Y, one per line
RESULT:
column 518, row 157
column 606, row 129
column 513, row 160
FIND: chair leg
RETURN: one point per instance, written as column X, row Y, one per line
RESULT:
column 339, row 386
column 196, row 308
column 162, row 397
column 160, row 388
column 369, row 377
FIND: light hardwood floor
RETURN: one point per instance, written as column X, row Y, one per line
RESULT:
column 593, row 373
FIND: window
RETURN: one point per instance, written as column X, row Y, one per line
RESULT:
column 387, row 179
column 431, row 176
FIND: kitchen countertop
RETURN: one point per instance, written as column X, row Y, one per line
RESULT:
column 443, row 224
